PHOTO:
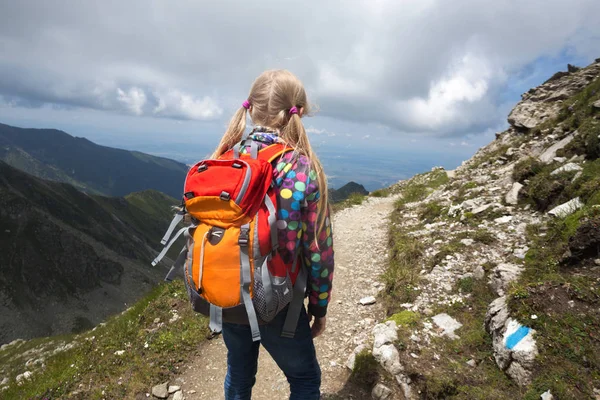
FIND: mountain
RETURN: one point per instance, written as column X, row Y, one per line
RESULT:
column 55, row 155
column 341, row 194
column 69, row 259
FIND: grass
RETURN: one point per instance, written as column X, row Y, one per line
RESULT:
column 355, row 199
column 452, row 247
column 381, row 192
column 419, row 186
column 569, row 360
column 430, row 211
column 366, row 369
column 152, row 352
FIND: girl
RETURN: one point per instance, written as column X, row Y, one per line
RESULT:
column 276, row 104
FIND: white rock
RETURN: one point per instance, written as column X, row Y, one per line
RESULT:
column 503, row 220
column 480, row 209
column 119, row 352
column 550, row 153
column 389, row 358
column 504, row 274
column 161, row 391
column 567, row 208
column 512, row 197
column 547, row 396
column 472, row 363
column 448, row 324
column 365, row 301
column 381, row 392
column 178, row 396
column 566, row 168
column 534, row 316
column 479, row 272
column 596, row 104
column 385, row 333
column 4, row 381
column 467, row 242
column 352, row 358
column 25, row 375
column 173, row 389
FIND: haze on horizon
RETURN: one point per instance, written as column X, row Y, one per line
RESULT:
column 430, row 79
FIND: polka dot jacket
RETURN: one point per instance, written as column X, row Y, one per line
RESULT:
column 298, row 193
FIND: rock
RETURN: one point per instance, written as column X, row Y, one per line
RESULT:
column 596, row 105
column 572, row 68
column 503, row 220
column 161, row 391
column 479, row 273
column 559, row 159
column 173, row 389
column 381, row 392
column 585, row 243
column 481, row 209
column 472, row 363
column 567, row 208
column 447, row 324
column 547, row 396
column 502, row 275
column 178, row 396
column 385, row 333
column 24, row 376
column 467, row 242
column 550, row 153
column 119, row 352
column 365, row 301
column 352, row 358
column 512, row 197
column 389, row 358
column 4, row 381
column 566, row 168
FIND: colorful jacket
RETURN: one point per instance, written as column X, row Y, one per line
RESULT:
column 298, row 193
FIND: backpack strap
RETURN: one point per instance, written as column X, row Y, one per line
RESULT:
column 178, row 263
column 293, row 314
column 245, row 288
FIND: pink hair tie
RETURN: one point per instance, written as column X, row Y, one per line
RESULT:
column 246, row 104
column 293, row 110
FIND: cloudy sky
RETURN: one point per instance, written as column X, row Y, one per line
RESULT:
column 427, row 74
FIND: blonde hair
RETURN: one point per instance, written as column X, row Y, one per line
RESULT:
column 271, row 97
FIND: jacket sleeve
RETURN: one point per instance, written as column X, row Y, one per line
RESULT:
column 299, row 226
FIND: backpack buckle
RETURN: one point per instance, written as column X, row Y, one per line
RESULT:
column 225, row 196
column 244, row 238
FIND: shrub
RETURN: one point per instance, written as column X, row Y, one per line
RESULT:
column 526, row 169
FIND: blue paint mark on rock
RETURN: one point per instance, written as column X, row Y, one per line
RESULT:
column 516, row 337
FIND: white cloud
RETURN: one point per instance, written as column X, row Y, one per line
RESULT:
column 432, row 66
column 134, row 99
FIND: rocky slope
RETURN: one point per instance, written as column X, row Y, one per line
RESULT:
column 496, row 272
column 69, row 259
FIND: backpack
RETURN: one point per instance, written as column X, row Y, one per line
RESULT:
column 232, row 269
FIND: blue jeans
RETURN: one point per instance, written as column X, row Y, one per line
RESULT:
column 296, row 357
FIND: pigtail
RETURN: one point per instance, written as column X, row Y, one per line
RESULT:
column 234, row 133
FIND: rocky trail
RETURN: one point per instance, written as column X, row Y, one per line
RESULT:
column 360, row 254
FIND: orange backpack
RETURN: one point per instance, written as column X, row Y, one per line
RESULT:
column 232, row 269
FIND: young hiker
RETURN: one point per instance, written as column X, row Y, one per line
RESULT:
column 276, row 104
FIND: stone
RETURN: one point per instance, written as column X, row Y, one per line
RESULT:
column 512, row 197
column 24, row 376
column 352, row 358
column 119, row 352
column 503, row 220
column 550, row 153
column 178, row 396
column 173, row 389
column 389, row 358
column 502, row 275
column 547, row 396
column 467, row 242
column 566, row 168
column 161, row 391
column 447, row 324
column 365, row 301
column 596, row 105
column 4, row 381
column 479, row 273
column 472, row 363
column 381, row 392
column 567, row 208
column 385, row 333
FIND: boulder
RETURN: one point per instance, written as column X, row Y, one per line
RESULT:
column 502, row 275
column 585, row 243
column 512, row 197
column 566, row 168
column 567, row 208
column 548, row 155
column 596, row 105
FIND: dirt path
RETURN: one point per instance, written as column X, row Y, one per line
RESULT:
column 360, row 235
